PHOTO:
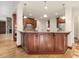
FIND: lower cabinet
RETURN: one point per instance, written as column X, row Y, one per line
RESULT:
column 60, row 42
column 33, row 42
column 44, row 42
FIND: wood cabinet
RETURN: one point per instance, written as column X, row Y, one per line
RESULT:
column 31, row 38
column 46, row 42
column 59, row 21
column 39, row 43
column 30, row 21
column 60, row 42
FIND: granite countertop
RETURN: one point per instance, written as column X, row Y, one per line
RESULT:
column 44, row 31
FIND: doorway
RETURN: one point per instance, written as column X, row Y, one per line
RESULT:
column 2, row 27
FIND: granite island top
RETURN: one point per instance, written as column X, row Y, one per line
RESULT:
column 44, row 32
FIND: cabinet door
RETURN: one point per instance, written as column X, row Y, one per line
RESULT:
column 46, row 42
column 59, row 42
column 42, row 42
column 24, row 41
column 33, row 42
column 36, row 42
column 50, row 42
column 30, row 41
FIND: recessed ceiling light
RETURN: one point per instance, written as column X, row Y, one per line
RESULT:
column 25, row 17
column 45, row 15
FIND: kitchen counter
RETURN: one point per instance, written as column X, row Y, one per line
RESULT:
column 44, row 42
column 44, row 31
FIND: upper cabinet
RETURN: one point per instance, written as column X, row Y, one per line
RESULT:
column 29, row 23
column 60, row 23
column 60, row 20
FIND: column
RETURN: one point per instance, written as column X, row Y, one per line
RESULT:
column 69, row 24
column 19, row 22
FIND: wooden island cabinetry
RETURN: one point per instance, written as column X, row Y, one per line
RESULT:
column 44, row 42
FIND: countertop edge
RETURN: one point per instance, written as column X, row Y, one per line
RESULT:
column 43, row 32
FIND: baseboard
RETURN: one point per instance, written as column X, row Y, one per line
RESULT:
column 19, row 46
column 75, row 38
column 69, row 47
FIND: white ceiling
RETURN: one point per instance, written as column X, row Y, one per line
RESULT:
column 7, row 7
column 36, row 8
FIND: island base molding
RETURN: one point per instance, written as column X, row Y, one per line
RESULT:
column 31, row 52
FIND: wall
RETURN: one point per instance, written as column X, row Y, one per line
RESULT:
column 76, row 27
column 76, row 21
column 53, row 24
column 42, row 24
column 6, row 9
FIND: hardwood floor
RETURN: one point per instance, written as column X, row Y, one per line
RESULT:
column 7, row 46
column 8, row 49
column 23, row 54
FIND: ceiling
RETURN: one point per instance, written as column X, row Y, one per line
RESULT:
column 7, row 8
column 36, row 8
column 55, row 8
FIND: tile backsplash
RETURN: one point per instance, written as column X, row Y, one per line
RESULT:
column 42, row 25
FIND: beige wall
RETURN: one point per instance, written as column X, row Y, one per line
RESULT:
column 76, row 21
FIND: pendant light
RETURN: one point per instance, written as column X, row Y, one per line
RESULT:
column 63, row 17
column 24, row 17
column 45, row 15
column 45, row 6
column 25, row 5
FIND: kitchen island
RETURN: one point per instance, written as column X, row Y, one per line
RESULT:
column 44, row 42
